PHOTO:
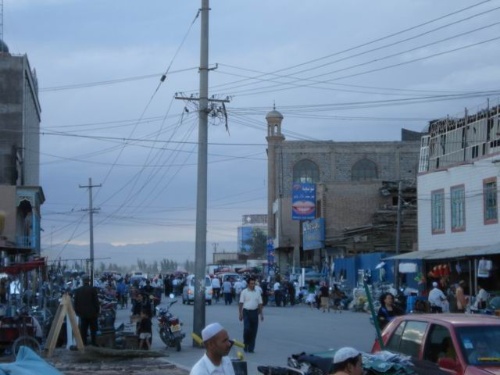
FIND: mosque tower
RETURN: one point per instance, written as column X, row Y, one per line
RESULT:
column 274, row 139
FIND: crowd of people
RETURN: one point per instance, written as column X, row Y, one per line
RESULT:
column 453, row 298
column 280, row 292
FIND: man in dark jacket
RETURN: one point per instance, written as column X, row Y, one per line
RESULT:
column 87, row 308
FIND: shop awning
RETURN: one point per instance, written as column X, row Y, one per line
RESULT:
column 458, row 252
column 17, row 268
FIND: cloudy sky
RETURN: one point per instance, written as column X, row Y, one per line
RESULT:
column 338, row 70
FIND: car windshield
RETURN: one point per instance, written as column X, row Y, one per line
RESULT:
column 480, row 345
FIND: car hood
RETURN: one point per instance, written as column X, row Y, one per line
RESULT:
column 493, row 370
column 489, row 370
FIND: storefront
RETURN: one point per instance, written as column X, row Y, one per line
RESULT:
column 475, row 265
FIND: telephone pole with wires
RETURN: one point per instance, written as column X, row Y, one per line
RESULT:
column 201, row 196
column 91, row 210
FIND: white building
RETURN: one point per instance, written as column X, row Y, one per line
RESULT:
column 458, row 195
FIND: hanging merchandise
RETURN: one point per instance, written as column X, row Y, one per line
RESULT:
column 484, row 268
column 458, row 268
column 420, row 279
column 381, row 275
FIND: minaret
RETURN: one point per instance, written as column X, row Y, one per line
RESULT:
column 274, row 139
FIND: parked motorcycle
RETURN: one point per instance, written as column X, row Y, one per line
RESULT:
column 170, row 327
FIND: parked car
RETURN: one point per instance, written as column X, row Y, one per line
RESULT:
column 188, row 291
column 453, row 341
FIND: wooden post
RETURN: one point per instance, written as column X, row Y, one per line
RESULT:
column 65, row 309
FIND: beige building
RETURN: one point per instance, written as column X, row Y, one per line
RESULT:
column 357, row 186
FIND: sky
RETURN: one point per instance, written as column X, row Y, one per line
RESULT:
column 337, row 70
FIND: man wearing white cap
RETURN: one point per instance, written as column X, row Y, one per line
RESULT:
column 347, row 361
column 436, row 299
column 217, row 345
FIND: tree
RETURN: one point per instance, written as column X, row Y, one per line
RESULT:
column 259, row 242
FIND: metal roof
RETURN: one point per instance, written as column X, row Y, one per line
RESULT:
column 458, row 252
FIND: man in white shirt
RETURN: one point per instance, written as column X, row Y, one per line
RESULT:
column 238, row 287
column 481, row 297
column 250, row 308
column 216, row 288
column 277, row 293
column 215, row 359
column 436, row 298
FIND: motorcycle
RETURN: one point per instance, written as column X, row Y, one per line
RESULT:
column 170, row 327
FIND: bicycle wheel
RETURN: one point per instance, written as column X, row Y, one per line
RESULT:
column 28, row 341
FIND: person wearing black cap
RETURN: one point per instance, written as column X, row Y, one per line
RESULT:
column 87, row 308
column 215, row 359
column 347, row 361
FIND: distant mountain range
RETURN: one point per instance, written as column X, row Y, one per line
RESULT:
column 127, row 255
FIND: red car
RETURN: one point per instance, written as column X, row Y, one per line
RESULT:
column 460, row 344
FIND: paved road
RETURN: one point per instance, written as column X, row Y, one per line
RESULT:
column 285, row 331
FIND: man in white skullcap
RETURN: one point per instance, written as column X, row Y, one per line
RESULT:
column 436, row 299
column 215, row 359
column 347, row 361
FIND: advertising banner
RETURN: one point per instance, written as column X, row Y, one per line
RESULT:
column 313, row 234
column 245, row 239
column 303, row 201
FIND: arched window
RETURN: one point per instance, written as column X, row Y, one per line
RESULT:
column 306, row 171
column 364, row 170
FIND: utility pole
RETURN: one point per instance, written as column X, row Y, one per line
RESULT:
column 398, row 233
column 201, row 195
column 91, row 224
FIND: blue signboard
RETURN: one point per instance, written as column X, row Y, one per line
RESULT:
column 313, row 234
column 245, row 239
column 303, row 201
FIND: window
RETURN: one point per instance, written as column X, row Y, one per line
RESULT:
column 407, row 339
column 457, row 194
column 364, row 170
column 306, row 171
column 439, row 344
column 437, row 211
column 395, row 340
column 490, row 205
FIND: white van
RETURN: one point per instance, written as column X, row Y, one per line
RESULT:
column 189, row 289
column 231, row 276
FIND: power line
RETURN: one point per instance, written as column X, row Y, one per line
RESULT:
column 295, row 78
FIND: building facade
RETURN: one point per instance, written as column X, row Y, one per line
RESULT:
column 357, row 189
column 21, row 196
column 458, row 197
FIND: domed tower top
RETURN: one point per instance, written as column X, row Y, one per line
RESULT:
column 274, row 119
column 3, row 47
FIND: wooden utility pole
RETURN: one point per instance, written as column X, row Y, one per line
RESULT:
column 91, row 225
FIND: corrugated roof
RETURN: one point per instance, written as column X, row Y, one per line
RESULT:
column 458, row 252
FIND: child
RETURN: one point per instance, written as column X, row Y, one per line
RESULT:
column 144, row 330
